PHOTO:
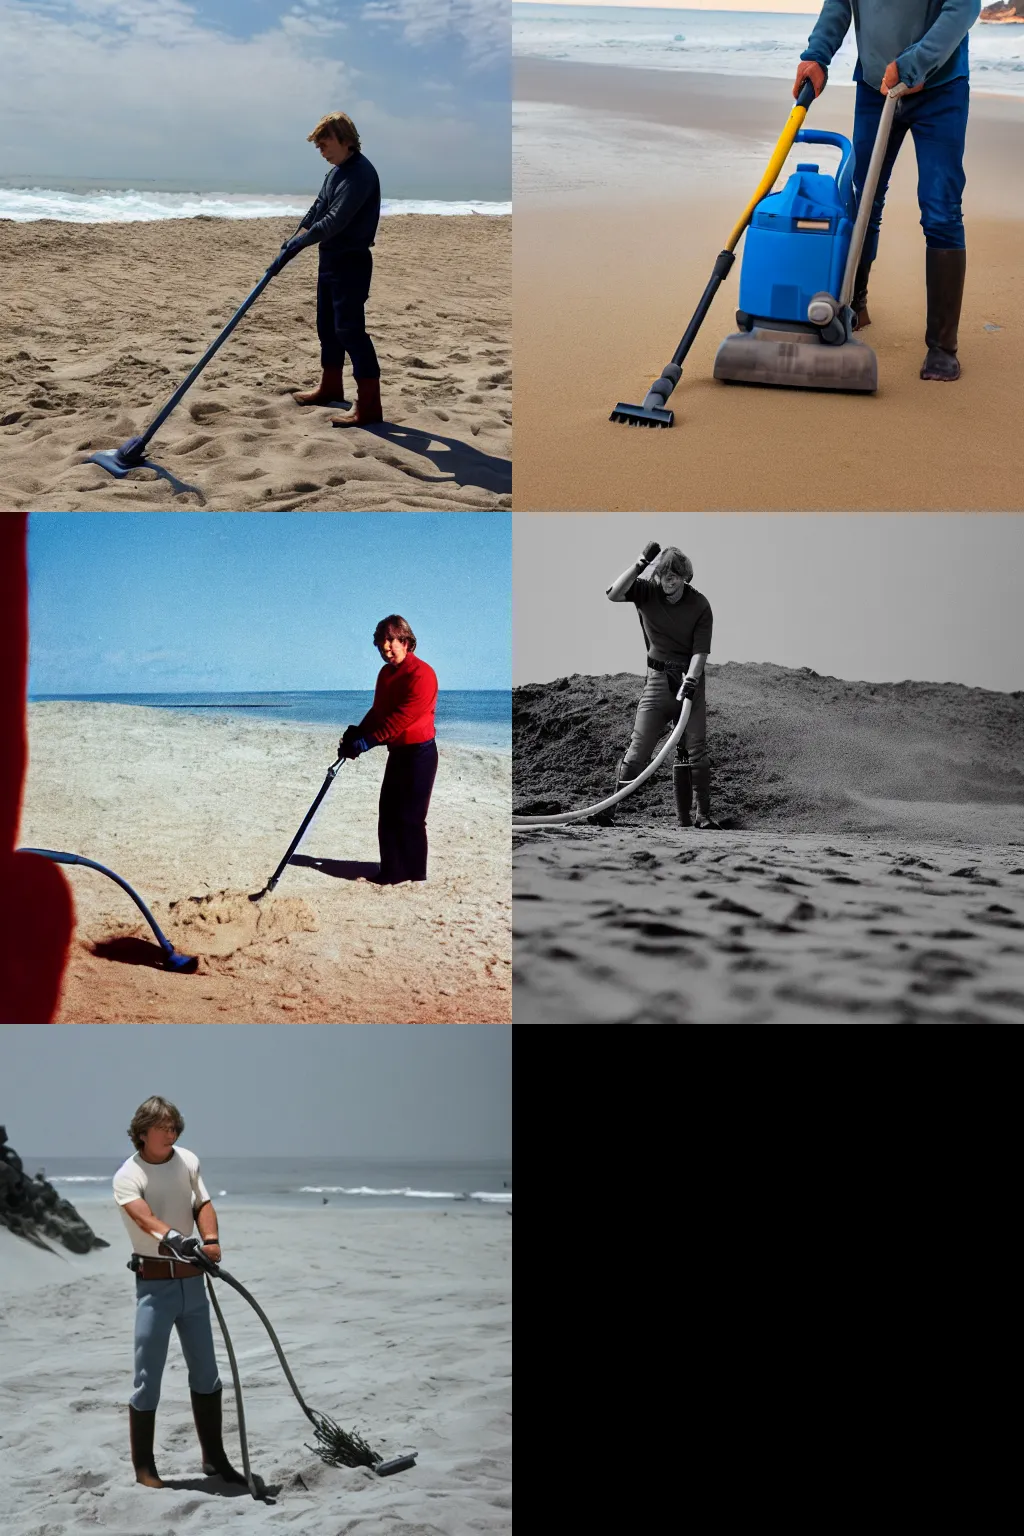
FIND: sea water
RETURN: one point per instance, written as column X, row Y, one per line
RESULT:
column 473, row 717
column 761, row 43
column 115, row 203
column 305, row 1182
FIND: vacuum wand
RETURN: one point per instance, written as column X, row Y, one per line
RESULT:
column 654, row 412
column 297, row 839
column 119, row 462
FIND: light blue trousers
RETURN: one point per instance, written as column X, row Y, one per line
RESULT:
column 161, row 1305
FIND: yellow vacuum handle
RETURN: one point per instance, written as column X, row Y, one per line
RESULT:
column 793, row 125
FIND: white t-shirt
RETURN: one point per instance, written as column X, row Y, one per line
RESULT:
column 173, row 1191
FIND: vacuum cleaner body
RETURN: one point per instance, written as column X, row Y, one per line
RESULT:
column 794, row 330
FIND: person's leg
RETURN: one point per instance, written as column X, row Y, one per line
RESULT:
column 655, row 710
column 389, row 838
column 939, row 126
column 331, row 389
column 196, row 1336
column 694, row 749
column 419, row 772
column 350, row 326
column 155, row 1308
column 867, row 115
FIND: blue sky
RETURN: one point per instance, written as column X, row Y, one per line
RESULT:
column 148, row 602
column 220, row 94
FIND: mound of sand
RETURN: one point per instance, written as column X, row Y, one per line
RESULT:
column 218, row 925
column 787, row 748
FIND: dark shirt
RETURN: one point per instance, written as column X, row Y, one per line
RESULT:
column 347, row 210
column 675, row 631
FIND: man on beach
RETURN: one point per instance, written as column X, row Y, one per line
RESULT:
column 161, row 1195
column 343, row 223
column 923, row 44
column 676, row 621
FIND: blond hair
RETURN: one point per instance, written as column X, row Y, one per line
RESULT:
column 336, row 125
column 152, row 1112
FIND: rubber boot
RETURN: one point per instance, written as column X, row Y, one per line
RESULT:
column 859, row 302
column 206, row 1410
column 945, row 272
column 368, row 407
column 141, row 1428
column 330, row 390
column 607, row 818
column 682, row 789
column 702, row 791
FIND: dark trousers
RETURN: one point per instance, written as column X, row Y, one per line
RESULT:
column 937, row 119
column 342, row 288
column 659, row 709
column 402, row 819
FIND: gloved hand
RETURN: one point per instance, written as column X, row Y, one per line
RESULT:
column 650, row 550
column 290, row 249
column 351, row 732
column 181, row 1247
column 354, row 747
column 817, row 74
column 689, row 687
column 892, row 77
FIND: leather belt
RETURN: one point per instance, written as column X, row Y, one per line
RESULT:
column 147, row 1268
column 666, row 666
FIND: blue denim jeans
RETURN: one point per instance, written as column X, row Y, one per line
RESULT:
column 657, row 710
column 161, row 1305
column 937, row 120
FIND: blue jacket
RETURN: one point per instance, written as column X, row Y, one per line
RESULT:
column 927, row 38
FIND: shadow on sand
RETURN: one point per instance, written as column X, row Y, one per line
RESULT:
column 462, row 464
column 339, row 869
column 130, row 951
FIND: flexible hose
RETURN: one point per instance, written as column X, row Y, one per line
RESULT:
column 256, row 1487
column 529, row 823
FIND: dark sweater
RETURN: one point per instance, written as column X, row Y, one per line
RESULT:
column 347, row 210
column 926, row 38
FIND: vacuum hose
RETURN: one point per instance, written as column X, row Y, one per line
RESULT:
column 531, row 823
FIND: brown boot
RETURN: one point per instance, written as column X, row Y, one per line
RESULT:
column 368, row 408
column 141, row 1427
column 859, row 302
column 330, row 391
column 945, row 272
column 682, row 790
column 206, row 1410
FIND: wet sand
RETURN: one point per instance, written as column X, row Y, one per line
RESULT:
column 627, row 185
column 100, row 324
column 197, row 812
column 395, row 1323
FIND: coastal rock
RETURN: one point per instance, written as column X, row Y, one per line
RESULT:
column 30, row 1207
column 1003, row 13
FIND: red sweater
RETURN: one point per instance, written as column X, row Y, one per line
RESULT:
column 402, row 713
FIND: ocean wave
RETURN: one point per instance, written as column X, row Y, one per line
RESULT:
column 25, row 204
column 79, row 1178
column 409, row 1194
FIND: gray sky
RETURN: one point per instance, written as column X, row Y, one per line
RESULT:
column 877, row 597
column 373, row 1090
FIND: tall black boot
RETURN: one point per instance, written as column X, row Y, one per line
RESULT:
column 206, row 1410
column 607, row 818
column 859, row 301
column 702, row 790
column 141, row 1428
column 944, row 272
column 682, row 790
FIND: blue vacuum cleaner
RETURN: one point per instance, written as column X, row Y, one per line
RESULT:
column 800, row 260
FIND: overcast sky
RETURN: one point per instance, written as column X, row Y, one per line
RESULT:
column 220, row 94
column 374, row 1090
column 150, row 602
column 878, row 597
column 776, row 7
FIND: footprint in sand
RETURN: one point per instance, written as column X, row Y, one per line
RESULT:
column 203, row 411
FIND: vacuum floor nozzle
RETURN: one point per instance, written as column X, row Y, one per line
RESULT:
column 641, row 416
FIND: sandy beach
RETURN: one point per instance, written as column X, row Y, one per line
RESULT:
column 395, row 1322
column 101, row 322
column 196, row 813
column 871, row 869
column 627, row 183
